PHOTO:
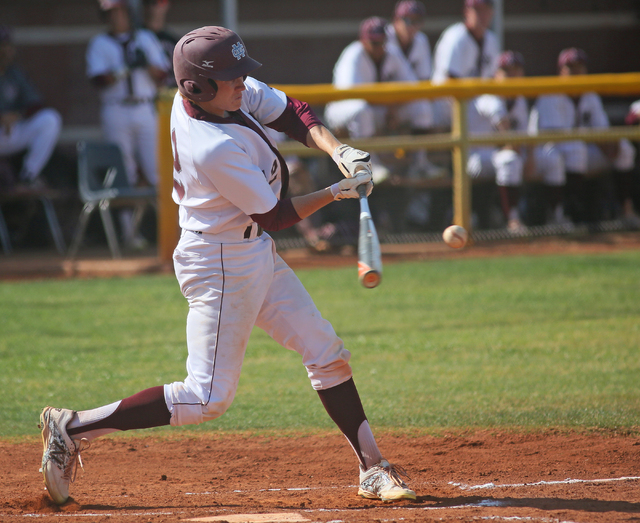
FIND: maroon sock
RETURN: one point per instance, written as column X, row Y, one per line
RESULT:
column 509, row 198
column 343, row 405
column 141, row 411
column 623, row 181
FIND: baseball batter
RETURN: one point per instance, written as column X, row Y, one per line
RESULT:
column 231, row 183
column 467, row 49
column 127, row 66
column 558, row 161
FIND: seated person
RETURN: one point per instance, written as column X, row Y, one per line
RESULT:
column 25, row 124
column 367, row 60
column 488, row 114
column 573, row 161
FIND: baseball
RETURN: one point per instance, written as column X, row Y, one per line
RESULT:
column 455, row 236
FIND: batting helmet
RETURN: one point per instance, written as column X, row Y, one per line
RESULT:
column 208, row 54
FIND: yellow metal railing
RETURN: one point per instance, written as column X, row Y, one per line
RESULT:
column 458, row 141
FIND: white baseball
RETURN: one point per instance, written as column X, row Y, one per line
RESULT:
column 455, row 236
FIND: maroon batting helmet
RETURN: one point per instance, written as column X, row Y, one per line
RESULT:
column 208, row 54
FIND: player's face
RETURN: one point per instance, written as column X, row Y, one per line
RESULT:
column 406, row 28
column 512, row 71
column 479, row 17
column 119, row 19
column 375, row 49
column 572, row 69
column 228, row 97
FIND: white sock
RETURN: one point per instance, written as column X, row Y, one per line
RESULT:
column 368, row 446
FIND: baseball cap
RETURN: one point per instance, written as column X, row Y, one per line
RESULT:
column 373, row 29
column 476, row 3
column 410, row 9
column 509, row 59
column 571, row 55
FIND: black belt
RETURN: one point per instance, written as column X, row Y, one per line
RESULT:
column 247, row 232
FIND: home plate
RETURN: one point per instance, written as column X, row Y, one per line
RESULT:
column 284, row 517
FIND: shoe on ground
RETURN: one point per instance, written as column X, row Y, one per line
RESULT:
column 137, row 243
column 382, row 481
column 61, row 454
column 515, row 226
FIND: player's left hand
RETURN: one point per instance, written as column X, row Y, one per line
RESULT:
column 351, row 160
column 347, row 188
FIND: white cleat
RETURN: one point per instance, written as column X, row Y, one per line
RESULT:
column 61, row 454
column 382, row 481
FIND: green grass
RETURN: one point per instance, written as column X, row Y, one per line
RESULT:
column 515, row 343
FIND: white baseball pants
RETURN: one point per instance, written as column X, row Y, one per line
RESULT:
column 134, row 128
column 230, row 288
column 363, row 120
column 505, row 165
column 38, row 134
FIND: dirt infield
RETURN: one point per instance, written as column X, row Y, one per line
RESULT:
column 482, row 476
column 549, row 477
column 99, row 264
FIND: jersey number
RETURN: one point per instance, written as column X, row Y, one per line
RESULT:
column 177, row 185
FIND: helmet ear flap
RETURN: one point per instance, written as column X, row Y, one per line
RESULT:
column 197, row 93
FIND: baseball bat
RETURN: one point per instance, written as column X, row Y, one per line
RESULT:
column 369, row 259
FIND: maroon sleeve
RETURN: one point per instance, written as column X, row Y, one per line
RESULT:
column 283, row 215
column 296, row 120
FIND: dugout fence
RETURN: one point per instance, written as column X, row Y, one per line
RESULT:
column 458, row 141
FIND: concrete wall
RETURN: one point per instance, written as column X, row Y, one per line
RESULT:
column 298, row 42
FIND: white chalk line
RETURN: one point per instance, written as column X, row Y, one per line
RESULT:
column 462, row 486
column 567, row 481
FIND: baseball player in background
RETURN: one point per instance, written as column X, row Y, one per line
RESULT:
column 154, row 16
column 231, row 183
column 467, row 49
column 405, row 38
column 127, row 65
column 565, row 162
column 368, row 60
column 488, row 114
column 25, row 124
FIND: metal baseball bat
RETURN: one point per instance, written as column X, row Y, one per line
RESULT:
column 369, row 259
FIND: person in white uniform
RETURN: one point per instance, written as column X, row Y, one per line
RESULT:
column 127, row 66
column 571, row 162
column 25, row 123
column 231, row 183
column 467, row 49
column 368, row 60
column 488, row 114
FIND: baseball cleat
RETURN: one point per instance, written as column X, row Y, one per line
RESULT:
column 61, row 454
column 382, row 481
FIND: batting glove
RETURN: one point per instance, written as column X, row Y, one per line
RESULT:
column 347, row 188
column 351, row 160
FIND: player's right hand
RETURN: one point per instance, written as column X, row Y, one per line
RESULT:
column 347, row 188
column 351, row 160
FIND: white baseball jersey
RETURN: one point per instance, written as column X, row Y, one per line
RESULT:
column 419, row 55
column 562, row 112
column 361, row 119
column 355, row 66
column 486, row 111
column 231, row 275
column 458, row 54
column 484, row 114
column 227, row 171
column 106, row 54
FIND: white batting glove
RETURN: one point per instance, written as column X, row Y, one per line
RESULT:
column 351, row 160
column 347, row 188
